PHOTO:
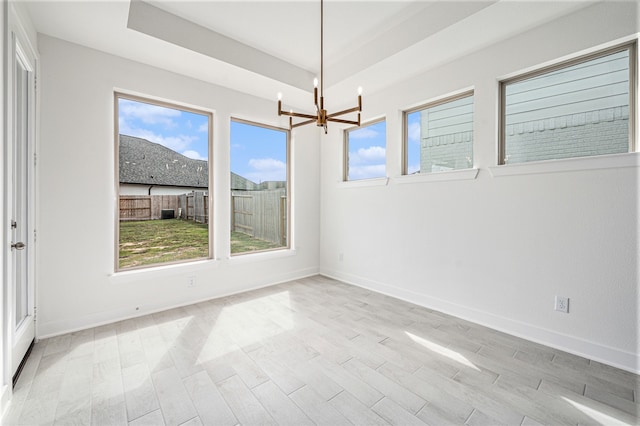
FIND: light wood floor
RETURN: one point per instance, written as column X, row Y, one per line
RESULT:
column 313, row 351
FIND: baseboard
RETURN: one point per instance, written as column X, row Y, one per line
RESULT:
column 607, row 355
column 57, row 328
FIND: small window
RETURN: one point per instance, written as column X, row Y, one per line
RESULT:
column 576, row 109
column 365, row 151
column 259, row 187
column 162, row 153
column 439, row 136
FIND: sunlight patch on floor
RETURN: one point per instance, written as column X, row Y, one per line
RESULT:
column 246, row 323
column 441, row 350
column 596, row 415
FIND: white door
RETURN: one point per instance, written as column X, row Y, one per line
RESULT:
column 19, row 179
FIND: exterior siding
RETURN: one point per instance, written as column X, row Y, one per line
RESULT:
column 578, row 111
column 446, row 135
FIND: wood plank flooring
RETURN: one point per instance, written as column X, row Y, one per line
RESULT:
column 312, row 351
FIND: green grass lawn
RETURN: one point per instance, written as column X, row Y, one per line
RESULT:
column 159, row 241
column 241, row 243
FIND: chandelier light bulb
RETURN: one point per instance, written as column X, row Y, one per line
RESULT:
column 279, row 96
column 359, row 90
column 315, row 82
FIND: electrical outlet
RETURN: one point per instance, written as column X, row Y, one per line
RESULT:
column 340, row 257
column 191, row 281
column 562, row 304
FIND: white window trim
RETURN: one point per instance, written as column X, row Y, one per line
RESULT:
column 260, row 256
column 596, row 162
column 345, row 153
column 360, row 183
column 630, row 43
column 441, row 100
column 447, row 175
column 276, row 252
column 137, row 97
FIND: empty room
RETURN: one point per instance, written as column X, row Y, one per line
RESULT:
column 320, row 212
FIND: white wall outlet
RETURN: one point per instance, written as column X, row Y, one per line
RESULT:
column 340, row 257
column 191, row 281
column 562, row 304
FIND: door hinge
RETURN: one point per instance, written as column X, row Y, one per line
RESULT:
column 35, row 235
column 35, row 159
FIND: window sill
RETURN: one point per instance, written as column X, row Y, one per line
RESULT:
column 464, row 174
column 364, row 182
column 261, row 255
column 611, row 161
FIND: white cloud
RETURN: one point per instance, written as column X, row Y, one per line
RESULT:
column 147, row 113
column 264, row 169
column 194, row 154
column 367, row 171
column 373, row 154
column 176, row 143
column 414, row 132
column 204, row 128
column 363, row 133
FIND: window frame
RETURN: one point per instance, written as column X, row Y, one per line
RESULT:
column 630, row 46
column 120, row 94
column 405, row 128
column 287, row 187
column 345, row 149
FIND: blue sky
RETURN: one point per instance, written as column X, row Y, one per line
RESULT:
column 258, row 153
column 368, row 151
column 181, row 131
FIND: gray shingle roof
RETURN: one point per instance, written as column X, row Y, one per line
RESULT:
column 149, row 163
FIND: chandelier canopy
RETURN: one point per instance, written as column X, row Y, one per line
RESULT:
column 322, row 117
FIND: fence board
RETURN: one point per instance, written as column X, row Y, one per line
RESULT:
column 261, row 214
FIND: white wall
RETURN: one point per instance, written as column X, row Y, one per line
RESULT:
column 77, row 287
column 495, row 250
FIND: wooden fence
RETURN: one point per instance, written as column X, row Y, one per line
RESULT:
column 261, row 214
column 191, row 206
column 194, row 206
column 146, row 207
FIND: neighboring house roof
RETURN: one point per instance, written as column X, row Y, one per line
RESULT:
column 144, row 162
column 148, row 163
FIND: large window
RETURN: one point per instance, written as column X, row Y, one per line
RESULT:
column 163, row 182
column 259, row 187
column 365, row 151
column 439, row 136
column 576, row 109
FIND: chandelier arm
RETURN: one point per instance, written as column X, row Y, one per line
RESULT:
column 346, row 111
column 303, row 123
column 339, row 120
column 300, row 115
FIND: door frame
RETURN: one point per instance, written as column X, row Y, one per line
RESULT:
column 18, row 35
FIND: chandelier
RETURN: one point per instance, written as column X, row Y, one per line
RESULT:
column 322, row 117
